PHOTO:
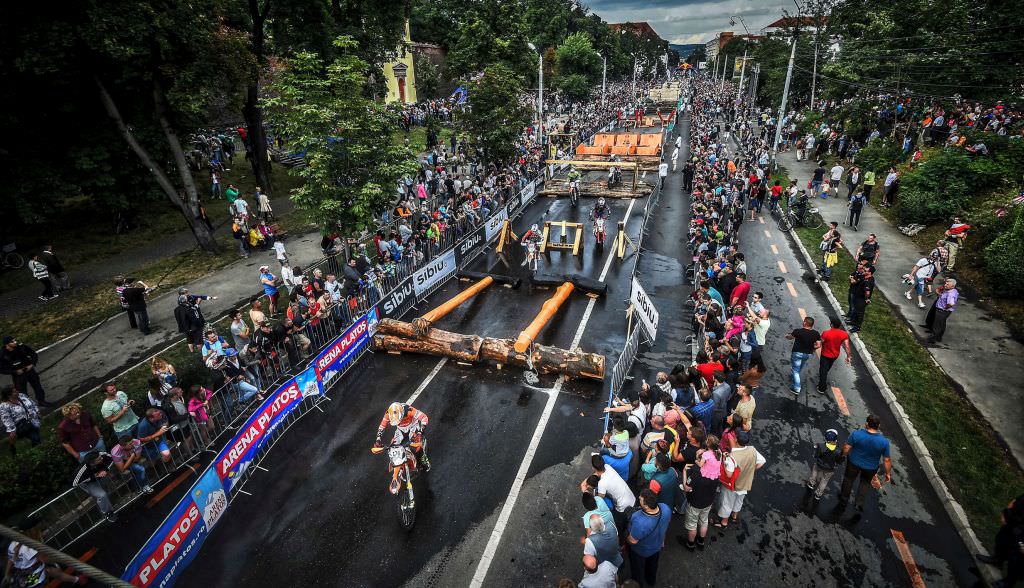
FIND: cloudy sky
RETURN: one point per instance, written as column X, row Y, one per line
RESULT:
column 691, row 21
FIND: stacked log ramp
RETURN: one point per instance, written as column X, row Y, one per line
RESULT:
column 420, row 336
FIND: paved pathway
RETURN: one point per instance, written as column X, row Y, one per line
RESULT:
column 26, row 298
column 978, row 350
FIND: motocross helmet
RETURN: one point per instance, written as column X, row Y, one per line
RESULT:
column 396, row 412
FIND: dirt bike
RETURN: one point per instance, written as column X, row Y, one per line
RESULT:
column 574, row 192
column 599, row 231
column 614, row 178
column 531, row 254
column 402, row 464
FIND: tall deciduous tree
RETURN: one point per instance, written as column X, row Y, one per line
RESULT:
column 168, row 63
column 352, row 168
column 497, row 116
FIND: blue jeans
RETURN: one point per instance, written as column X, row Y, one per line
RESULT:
column 139, row 473
column 798, row 360
column 245, row 391
column 100, row 446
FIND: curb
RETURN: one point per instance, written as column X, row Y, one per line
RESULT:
column 953, row 509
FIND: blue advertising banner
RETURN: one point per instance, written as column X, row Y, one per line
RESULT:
column 177, row 541
column 332, row 361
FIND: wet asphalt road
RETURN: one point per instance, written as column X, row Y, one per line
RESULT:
column 322, row 516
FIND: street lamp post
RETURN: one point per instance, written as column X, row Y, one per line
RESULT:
column 604, row 80
column 540, row 94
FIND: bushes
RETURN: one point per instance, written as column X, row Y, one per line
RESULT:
column 946, row 184
column 879, row 155
column 1003, row 258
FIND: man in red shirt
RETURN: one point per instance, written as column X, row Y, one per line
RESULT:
column 831, row 341
column 740, row 291
column 707, row 367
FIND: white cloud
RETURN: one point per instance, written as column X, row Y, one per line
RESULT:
column 691, row 21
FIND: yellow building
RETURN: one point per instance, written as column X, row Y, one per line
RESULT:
column 400, row 74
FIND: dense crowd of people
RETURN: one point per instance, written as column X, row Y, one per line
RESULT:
column 686, row 444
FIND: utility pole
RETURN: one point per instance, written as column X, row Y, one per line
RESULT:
column 814, row 74
column 604, row 80
column 635, row 63
column 743, row 70
column 782, row 107
column 540, row 99
column 725, row 66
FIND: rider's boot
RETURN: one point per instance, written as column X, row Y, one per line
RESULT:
column 425, row 462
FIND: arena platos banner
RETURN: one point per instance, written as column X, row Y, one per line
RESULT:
column 239, row 453
column 169, row 551
column 337, row 355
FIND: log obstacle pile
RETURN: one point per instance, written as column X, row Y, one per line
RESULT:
column 421, row 337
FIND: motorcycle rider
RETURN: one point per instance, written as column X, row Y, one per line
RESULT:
column 410, row 424
column 601, row 210
column 533, row 235
column 574, row 180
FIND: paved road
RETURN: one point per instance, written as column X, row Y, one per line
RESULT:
column 321, row 515
column 974, row 336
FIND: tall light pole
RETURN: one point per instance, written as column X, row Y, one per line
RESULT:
column 604, row 80
column 782, row 106
column 635, row 64
column 540, row 95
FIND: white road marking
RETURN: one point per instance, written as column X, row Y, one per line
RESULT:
column 426, row 381
column 517, row 485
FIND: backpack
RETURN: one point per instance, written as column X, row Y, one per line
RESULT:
column 730, row 472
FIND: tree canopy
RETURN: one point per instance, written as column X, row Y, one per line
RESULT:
column 350, row 172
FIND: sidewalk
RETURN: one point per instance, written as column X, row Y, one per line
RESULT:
column 113, row 346
column 978, row 351
column 26, row 298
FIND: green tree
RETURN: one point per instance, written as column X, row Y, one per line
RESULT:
column 322, row 106
column 576, row 57
column 497, row 116
column 428, row 78
column 493, row 32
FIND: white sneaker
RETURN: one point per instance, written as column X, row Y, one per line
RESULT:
column 907, row 294
column 147, row 489
column 920, row 304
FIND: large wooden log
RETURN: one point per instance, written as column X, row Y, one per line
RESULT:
column 545, row 359
column 548, row 310
column 394, row 335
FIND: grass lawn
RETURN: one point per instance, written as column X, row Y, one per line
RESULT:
column 418, row 138
column 975, row 467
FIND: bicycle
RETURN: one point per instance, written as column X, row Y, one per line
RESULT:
column 10, row 258
column 809, row 219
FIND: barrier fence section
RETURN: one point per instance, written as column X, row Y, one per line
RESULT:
column 624, row 363
column 177, row 540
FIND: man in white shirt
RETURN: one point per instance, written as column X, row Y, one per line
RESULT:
column 919, row 275
column 598, row 576
column 835, row 174
column 280, row 252
column 606, row 482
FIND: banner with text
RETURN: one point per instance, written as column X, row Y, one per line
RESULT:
column 434, row 272
column 332, row 361
column 493, row 225
column 177, row 542
column 398, row 301
column 643, row 307
column 468, row 246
